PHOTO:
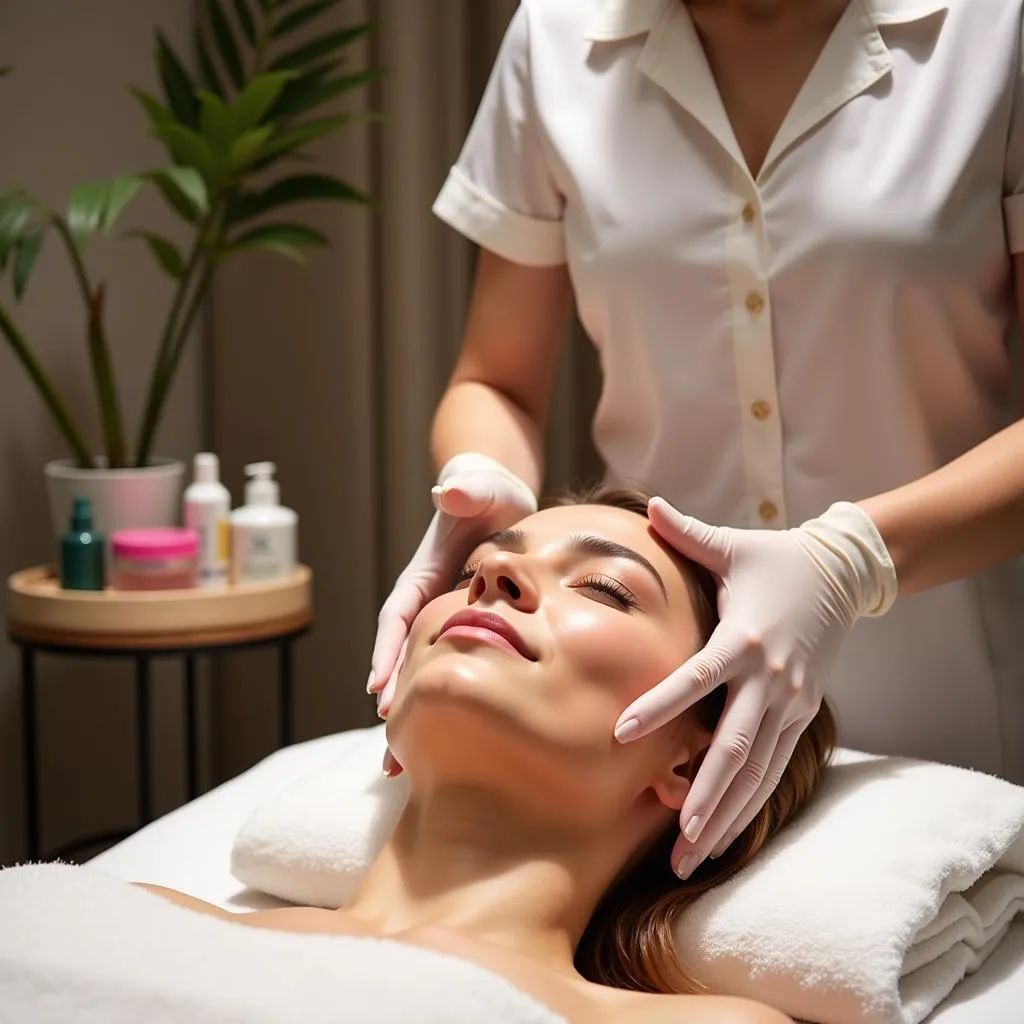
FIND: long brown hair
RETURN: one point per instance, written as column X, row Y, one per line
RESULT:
column 628, row 942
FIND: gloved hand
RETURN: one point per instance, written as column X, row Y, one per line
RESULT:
column 786, row 601
column 474, row 497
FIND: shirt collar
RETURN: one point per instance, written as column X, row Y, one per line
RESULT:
column 623, row 19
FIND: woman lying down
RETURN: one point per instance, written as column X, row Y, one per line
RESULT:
column 532, row 844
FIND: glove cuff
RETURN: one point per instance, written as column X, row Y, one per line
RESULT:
column 475, row 462
column 849, row 532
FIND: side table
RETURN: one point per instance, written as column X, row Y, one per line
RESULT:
column 43, row 618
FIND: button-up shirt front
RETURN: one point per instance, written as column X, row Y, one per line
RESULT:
column 834, row 327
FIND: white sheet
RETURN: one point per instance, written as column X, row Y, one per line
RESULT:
column 190, row 850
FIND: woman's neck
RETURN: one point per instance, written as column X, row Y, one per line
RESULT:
column 462, row 859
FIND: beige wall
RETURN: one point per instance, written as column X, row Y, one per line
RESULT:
column 66, row 116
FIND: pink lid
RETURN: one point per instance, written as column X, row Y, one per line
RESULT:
column 155, row 544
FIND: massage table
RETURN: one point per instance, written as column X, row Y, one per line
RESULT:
column 189, row 849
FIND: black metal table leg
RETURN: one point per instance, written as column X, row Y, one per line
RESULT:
column 142, row 734
column 285, row 698
column 192, row 726
column 30, row 739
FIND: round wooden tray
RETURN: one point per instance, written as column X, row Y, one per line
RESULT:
column 40, row 611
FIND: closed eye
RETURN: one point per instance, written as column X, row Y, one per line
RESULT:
column 612, row 588
column 464, row 575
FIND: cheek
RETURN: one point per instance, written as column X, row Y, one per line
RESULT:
column 622, row 654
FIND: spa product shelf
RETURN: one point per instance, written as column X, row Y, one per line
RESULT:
column 41, row 612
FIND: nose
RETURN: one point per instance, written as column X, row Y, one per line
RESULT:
column 505, row 576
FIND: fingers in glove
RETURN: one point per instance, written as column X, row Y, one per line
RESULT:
column 749, row 781
column 465, row 496
column 707, row 545
column 393, row 624
column 728, row 758
column 721, row 659
column 780, row 759
column 388, row 694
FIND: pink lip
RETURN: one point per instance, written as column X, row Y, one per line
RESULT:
column 489, row 628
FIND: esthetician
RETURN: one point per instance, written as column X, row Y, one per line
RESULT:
column 793, row 229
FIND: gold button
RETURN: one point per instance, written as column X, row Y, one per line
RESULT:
column 767, row 511
column 761, row 410
column 755, row 302
column 749, row 213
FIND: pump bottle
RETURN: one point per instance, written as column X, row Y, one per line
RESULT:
column 263, row 531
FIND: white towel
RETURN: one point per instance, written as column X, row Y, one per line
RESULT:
column 79, row 946
column 900, row 879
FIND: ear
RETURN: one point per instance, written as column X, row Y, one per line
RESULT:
column 673, row 784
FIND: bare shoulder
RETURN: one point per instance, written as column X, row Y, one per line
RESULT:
column 644, row 1008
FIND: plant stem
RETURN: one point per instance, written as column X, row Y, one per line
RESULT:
column 154, row 400
column 99, row 352
column 167, row 375
column 44, row 385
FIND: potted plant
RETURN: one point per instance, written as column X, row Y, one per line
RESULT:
column 252, row 100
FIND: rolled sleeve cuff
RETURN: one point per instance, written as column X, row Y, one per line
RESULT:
column 1013, row 213
column 481, row 218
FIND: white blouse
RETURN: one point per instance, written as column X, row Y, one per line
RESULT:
column 835, row 327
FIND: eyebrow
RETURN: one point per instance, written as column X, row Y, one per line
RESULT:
column 581, row 544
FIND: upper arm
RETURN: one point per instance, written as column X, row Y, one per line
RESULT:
column 514, row 331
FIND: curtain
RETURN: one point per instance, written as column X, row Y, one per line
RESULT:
column 333, row 371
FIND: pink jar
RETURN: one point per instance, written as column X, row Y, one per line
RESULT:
column 159, row 559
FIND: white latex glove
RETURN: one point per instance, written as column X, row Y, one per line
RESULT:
column 786, row 601
column 474, row 497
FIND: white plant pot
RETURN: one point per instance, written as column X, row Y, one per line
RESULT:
column 122, row 499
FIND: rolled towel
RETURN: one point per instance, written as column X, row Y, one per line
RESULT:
column 77, row 945
column 899, row 879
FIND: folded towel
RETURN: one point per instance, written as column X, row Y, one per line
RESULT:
column 900, row 878
column 77, row 945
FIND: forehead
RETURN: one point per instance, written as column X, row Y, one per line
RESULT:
column 551, row 527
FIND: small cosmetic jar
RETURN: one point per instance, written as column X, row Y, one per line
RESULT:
column 156, row 559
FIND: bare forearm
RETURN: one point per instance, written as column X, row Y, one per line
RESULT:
column 476, row 417
column 959, row 520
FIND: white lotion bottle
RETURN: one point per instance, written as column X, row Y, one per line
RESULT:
column 207, row 511
column 263, row 531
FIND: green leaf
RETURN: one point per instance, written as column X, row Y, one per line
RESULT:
column 295, row 189
column 282, row 238
column 190, row 149
column 179, row 90
column 154, row 108
column 245, row 19
column 247, row 147
column 226, row 45
column 184, row 189
column 122, row 191
column 207, row 69
column 14, row 213
column 300, row 16
column 87, row 206
column 317, row 93
column 321, row 47
column 165, row 252
column 216, row 123
column 292, row 98
column 257, row 98
column 291, row 139
column 26, row 253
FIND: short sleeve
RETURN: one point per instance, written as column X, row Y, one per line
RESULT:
column 1013, row 186
column 501, row 193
